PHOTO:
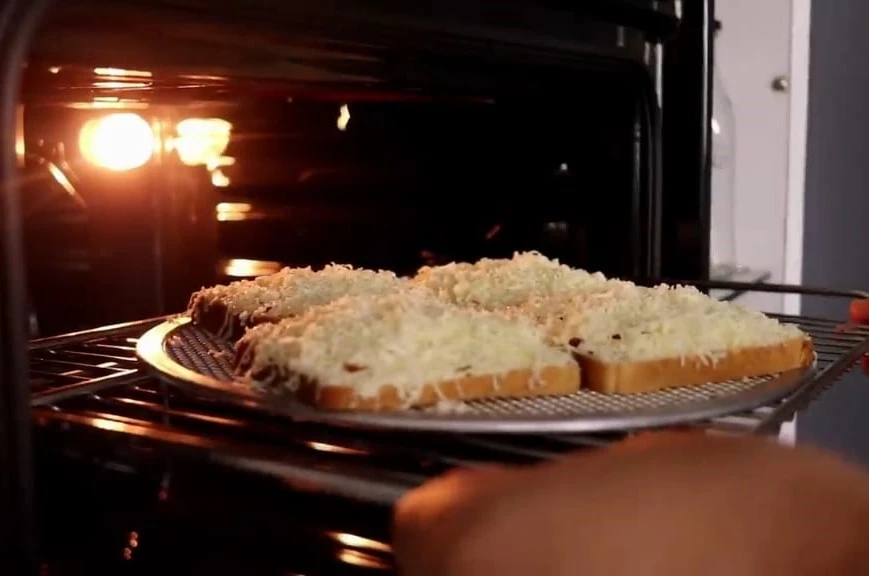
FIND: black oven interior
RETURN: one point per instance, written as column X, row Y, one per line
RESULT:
column 417, row 138
column 379, row 180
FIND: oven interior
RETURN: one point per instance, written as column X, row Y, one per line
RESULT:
column 526, row 127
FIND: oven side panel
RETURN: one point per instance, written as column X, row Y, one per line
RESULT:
column 836, row 203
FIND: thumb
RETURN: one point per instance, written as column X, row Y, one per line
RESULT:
column 860, row 315
column 428, row 521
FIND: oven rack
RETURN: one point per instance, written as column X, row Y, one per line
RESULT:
column 90, row 385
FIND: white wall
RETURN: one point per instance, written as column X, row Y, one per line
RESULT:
column 760, row 41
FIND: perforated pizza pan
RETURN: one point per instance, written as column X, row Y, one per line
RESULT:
column 186, row 356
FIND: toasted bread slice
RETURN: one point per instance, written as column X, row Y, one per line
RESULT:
column 402, row 350
column 630, row 377
column 634, row 339
column 227, row 310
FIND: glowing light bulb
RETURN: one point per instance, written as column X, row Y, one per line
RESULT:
column 343, row 117
column 117, row 142
column 202, row 141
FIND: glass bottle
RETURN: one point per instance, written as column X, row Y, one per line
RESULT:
column 722, row 240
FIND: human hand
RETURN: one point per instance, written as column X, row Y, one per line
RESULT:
column 860, row 315
column 685, row 505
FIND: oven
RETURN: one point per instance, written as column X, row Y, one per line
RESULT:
column 152, row 147
column 423, row 138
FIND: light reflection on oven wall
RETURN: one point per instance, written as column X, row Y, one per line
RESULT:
column 239, row 268
column 362, row 552
column 114, row 179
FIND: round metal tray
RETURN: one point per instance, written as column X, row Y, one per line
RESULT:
column 188, row 357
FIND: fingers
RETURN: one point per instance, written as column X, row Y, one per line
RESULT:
column 438, row 501
column 860, row 311
column 422, row 505
column 420, row 508
column 860, row 315
column 435, row 495
column 428, row 522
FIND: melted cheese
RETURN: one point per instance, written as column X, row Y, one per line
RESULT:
column 494, row 284
column 367, row 329
column 635, row 324
column 406, row 339
column 292, row 291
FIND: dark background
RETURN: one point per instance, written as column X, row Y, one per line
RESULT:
column 836, row 249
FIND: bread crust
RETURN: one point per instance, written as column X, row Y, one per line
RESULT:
column 214, row 317
column 659, row 374
column 551, row 380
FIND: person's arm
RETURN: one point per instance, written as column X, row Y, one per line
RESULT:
column 675, row 505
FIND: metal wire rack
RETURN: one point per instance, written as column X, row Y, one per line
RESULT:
column 91, row 385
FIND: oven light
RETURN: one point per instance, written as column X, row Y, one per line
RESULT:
column 232, row 211
column 335, row 449
column 343, row 117
column 360, row 542
column 201, row 141
column 219, row 179
column 214, row 167
column 117, row 142
column 122, row 73
column 362, row 560
column 243, row 268
column 120, row 85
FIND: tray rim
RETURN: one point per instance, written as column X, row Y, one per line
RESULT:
column 151, row 351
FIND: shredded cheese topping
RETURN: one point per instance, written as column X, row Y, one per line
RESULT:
column 368, row 329
column 293, row 291
column 613, row 320
column 629, row 324
column 407, row 340
column 494, row 284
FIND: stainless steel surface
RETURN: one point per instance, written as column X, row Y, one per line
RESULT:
column 92, row 386
column 112, row 329
column 186, row 356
